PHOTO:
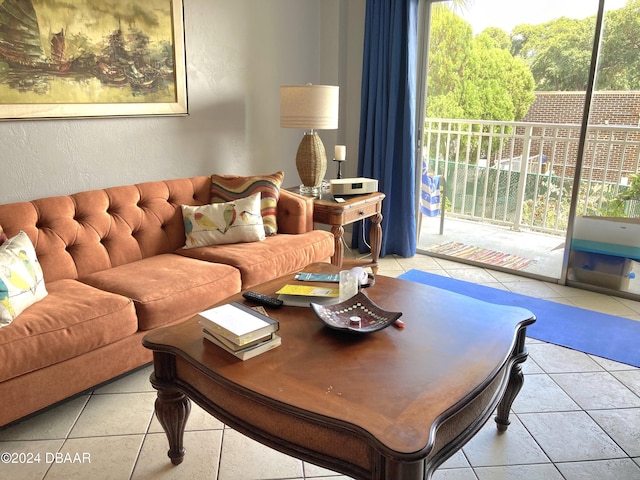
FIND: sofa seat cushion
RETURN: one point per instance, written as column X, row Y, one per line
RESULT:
column 71, row 320
column 277, row 255
column 168, row 288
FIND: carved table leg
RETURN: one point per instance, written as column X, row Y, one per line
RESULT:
column 403, row 471
column 338, row 232
column 172, row 410
column 375, row 236
column 516, row 380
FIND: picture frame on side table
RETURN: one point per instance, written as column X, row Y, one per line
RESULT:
column 78, row 60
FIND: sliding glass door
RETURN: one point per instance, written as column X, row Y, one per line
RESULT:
column 508, row 87
column 604, row 242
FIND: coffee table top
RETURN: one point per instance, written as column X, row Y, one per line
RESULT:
column 395, row 384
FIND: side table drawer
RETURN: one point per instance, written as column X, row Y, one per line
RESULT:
column 359, row 212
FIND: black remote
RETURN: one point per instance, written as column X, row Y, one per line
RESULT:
column 262, row 299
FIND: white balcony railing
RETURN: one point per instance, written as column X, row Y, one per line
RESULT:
column 488, row 181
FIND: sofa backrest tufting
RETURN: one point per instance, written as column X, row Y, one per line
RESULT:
column 86, row 232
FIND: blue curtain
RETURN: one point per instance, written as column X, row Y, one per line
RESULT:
column 387, row 129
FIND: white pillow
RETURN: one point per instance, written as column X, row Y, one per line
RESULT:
column 21, row 278
column 219, row 223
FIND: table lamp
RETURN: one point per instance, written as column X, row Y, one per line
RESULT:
column 312, row 107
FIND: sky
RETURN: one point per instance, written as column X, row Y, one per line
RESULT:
column 506, row 14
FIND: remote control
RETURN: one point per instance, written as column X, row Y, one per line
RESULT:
column 262, row 299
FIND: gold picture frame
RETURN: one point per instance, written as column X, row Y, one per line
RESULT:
column 91, row 59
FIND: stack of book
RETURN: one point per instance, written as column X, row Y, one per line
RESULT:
column 240, row 330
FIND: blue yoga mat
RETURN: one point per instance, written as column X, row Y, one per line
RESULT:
column 606, row 336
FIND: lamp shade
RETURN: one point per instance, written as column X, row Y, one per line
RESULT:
column 309, row 106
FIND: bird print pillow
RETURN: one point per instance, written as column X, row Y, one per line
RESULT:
column 220, row 223
column 21, row 278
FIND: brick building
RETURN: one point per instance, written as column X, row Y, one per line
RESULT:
column 610, row 153
column 607, row 108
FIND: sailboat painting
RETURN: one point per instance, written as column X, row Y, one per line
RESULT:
column 91, row 58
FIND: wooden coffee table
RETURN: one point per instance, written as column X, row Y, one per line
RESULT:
column 393, row 404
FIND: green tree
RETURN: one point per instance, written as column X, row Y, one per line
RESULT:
column 558, row 52
column 499, row 37
column 449, row 49
column 619, row 59
column 505, row 83
column 474, row 77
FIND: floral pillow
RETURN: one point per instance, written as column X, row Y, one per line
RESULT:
column 219, row 223
column 225, row 188
column 21, row 278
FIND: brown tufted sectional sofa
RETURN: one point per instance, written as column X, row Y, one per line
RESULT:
column 114, row 269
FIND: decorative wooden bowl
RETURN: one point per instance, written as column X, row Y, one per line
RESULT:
column 358, row 314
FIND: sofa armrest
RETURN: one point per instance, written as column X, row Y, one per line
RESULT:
column 295, row 213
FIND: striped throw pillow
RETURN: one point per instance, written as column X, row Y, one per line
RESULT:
column 225, row 188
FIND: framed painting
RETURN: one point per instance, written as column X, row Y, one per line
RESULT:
column 91, row 58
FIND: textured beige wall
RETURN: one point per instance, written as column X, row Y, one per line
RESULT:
column 238, row 54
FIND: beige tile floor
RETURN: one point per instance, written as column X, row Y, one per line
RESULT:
column 577, row 417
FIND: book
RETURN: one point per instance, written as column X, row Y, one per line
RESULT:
column 234, row 346
column 302, row 295
column 248, row 352
column 317, row 277
column 237, row 323
column 308, row 291
column 305, row 300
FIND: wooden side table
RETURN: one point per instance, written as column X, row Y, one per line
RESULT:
column 329, row 212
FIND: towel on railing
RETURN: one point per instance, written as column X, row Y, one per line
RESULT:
column 430, row 195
